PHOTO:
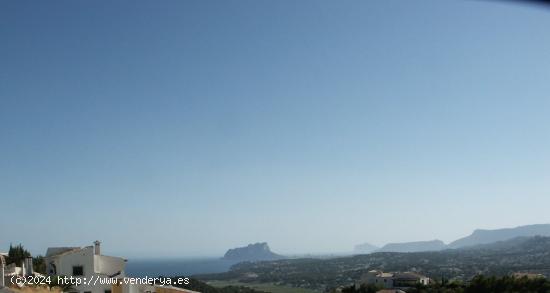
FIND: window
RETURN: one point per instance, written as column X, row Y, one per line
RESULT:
column 53, row 269
column 107, row 291
column 78, row 271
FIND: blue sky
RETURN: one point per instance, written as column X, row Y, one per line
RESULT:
column 183, row 128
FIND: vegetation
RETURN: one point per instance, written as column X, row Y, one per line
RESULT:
column 499, row 259
column 39, row 265
column 17, row 254
column 361, row 289
column 54, row 283
column 202, row 287
column 34, row 289
column 479, row 284
column 267, row 287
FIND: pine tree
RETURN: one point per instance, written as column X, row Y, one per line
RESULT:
column 17, row 254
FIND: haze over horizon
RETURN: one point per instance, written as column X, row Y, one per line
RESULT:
column 192, row 127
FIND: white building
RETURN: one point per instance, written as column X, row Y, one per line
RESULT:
column 393, row 280
column 86, row 263
column 9, row 270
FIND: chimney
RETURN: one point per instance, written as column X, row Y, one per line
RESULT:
column 29, row 270
column 97, row 247
column 2, row 264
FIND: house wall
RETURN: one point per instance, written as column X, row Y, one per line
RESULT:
column 388, row 281
column 368, row 278
column 384, row 282
column 96, row 266
column 133, row 288
column 109, row 265
column 84, row 257
column 2, row 265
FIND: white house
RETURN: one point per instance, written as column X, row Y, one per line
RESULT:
column 393, row 280
column 86, row 263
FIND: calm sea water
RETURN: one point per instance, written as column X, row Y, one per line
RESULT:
column 176, row 267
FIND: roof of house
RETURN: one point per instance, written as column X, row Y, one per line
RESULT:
column 55, row 251
column 408, row 275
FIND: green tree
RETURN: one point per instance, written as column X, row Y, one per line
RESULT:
column 17, row 254
column 364, row 288
column 39, row 265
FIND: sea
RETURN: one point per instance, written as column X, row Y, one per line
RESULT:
column 170, row 267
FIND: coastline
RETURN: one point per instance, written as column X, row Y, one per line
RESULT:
column 170, row 267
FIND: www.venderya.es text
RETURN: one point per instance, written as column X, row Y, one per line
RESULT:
column 97, row 280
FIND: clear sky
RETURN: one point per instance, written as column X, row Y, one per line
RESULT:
column 184, row 128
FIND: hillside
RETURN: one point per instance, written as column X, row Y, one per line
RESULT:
column 198, row 286
column 418, row 246
column 502, row 258
column 364, row 248
column 488, row 236
column 252, row 252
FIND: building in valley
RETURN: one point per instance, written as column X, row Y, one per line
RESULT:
column 393, row 280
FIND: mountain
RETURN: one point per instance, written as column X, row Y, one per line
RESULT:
column 522, row 254
column 364, row 248
column 418, row 246
column 252, row 252
column 514, row 245
column 488, row 236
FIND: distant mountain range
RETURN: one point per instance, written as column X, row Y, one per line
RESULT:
column 502, row 258
column 261, row 251
column 489, row 236
column 364, row 248
column 418, row 246
column 252, row 252
column 478, row 237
